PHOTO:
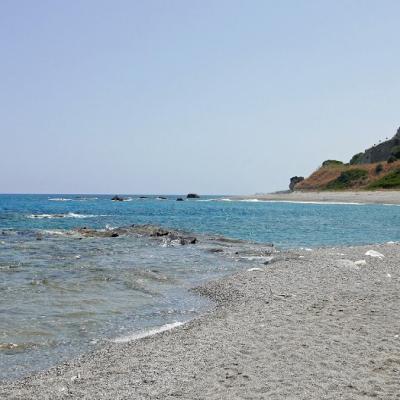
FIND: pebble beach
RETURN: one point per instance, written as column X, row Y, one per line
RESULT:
column 312, row 324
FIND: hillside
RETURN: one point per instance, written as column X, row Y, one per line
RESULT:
column 376, row 168
column 353, row 177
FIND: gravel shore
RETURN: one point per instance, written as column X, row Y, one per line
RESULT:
column 320, row 324
column 374, row 197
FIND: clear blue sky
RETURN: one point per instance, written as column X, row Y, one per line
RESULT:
column 218, row 96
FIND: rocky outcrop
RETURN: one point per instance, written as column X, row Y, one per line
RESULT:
column 150, row 231
column 117, row 198
column 294, row 181
column 192, row 196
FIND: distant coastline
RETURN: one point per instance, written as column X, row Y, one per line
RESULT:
column 368, row 197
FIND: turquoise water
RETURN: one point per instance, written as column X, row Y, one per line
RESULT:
column 284, row 224
column 64, row 294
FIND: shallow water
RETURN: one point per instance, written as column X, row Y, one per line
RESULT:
column 61, row 294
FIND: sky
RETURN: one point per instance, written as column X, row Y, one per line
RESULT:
column 177, row 96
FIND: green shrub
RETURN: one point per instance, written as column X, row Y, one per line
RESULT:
column 391, row 159
column 347, row 179
column 378, row 169
column 389, row 181
column 395, row 151
column 356, row 159
column 331, row 162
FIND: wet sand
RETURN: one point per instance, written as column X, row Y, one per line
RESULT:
column 374, row 197
column 311, row 325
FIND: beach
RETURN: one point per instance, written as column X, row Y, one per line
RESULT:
column 368, row 197
column 312, row 324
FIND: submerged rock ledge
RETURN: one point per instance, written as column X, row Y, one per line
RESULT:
column 152, row 231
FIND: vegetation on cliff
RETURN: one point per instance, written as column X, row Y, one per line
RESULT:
column 353, row 177
column 389, row 181
column 348, row 179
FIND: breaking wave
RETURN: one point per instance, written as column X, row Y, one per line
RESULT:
column 151, row 332
column 59, row 199
column 68, row 215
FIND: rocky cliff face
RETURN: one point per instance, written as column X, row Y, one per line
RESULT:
column 380, row 152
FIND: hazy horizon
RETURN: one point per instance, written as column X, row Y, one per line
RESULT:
column 226, row 97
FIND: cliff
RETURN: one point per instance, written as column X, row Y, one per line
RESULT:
column 376, row 168
column 380, row 152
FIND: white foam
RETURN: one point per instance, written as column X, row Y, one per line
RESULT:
column 73, row 215
column 305, row 249
column 41, row 216
column 315, row 202
column 59, row 199
column 150, row 332
column 210, row 200
column 54, row 232
column 254, row 269
column 295, row 201
column 68, row 215
column 243, row 200
column 251, row 200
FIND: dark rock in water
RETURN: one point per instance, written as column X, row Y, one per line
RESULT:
column 179, row 199
column 187, row 240
column 215, row 250
column 294, row 181
column 182, row 239
column 192, row 196
column 117, row 198
column 148, row 230
column 161, row 198
column 151, row 231
column 87, row 232
column 143, row 197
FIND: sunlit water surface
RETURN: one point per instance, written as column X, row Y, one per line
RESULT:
column 61, row 294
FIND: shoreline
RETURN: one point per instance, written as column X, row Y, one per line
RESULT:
column 351, row 197
column 312, row 324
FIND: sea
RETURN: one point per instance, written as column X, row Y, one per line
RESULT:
column 63, row 294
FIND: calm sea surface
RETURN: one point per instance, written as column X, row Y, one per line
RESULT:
column 61, row 294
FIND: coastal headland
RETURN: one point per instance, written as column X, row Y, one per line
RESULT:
column 312, row 324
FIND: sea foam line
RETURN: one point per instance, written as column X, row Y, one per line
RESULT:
column 68, row 215
column 150, row 332
column 315, row 202
column 294, row 201
column 59, row 199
